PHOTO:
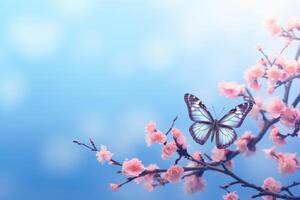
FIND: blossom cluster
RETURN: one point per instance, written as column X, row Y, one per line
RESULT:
column 275, row 116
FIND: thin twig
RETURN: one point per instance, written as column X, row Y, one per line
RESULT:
column 289, row 84
column 296, row 101
column 172, row 125
column 85, row 145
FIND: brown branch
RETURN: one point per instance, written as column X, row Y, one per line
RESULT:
column 294, row 133
column 296, row 101
column 244, row 183
column 201, row 169
column 172, row 125
column 280, row 83
column 266, row 57
column 289, row 84
column 288, row 187
column 281, row 52
column 225, row 187
column 92, row 148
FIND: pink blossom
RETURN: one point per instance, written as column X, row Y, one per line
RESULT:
column 155, row 137
column 271, row 87
column 281, row 61
column 168, row 150
column 103, row 155
column 197, row 155
column 151, row 127
column 243, row 141
column 272, row 185
column 174, row 173
column 262, row 61
column 133, row 167
column 114, row 187
column 275, row 136
column 289, row 117
column 176, row 133
column 290, row 67
column 219, row 154
column 275, row 74
column 193, row 184
column 272, row 26
column 258, row 47
column 288, row 162
column 148, row 179
column 275, row 107
column 231, row 196
column 293, row 23
column 270, row 152
column 179, row 137
column 257, row 107
column 231, row 89
column 252, row 74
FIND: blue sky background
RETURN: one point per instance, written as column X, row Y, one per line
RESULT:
column 74, row 69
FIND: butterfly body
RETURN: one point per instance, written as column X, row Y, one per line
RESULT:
column 206, row 126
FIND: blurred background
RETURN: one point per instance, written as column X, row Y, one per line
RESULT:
column 101, row 69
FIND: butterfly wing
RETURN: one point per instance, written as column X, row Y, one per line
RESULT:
column 197, row 110
column 235, row 117
column 200, row 132
column 225, row 136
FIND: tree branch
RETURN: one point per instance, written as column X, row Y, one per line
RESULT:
column 296, row 101
column 289, row 83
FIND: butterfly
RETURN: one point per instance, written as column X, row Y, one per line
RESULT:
column 205, row 125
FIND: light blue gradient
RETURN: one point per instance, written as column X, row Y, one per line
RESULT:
column 104, row 68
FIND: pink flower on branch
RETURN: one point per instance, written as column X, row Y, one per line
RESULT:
column 290, row 67
column 231, row 196
column 198, row 156
column 103, row 155
column 151, row 127
column 174, row 173
column 231, row 89
column 155, row 137
column 179, row 138
column 270, row 152
column 288, row 162
column 133, row 167
column 114, row 187
column 293, row 23
column 252, row 75
column 275, row 107
column 243, row 143
column 289, row 116
column 148, row 179
column 276, row 137
column 198, row 159
column 168, row 150
column 219, row 154
column 275, row 74
column 193, row 184
column 271, row 185
column 272, row 26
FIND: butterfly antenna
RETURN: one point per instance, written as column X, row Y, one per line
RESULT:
column 214, row 111
column 221, row 112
